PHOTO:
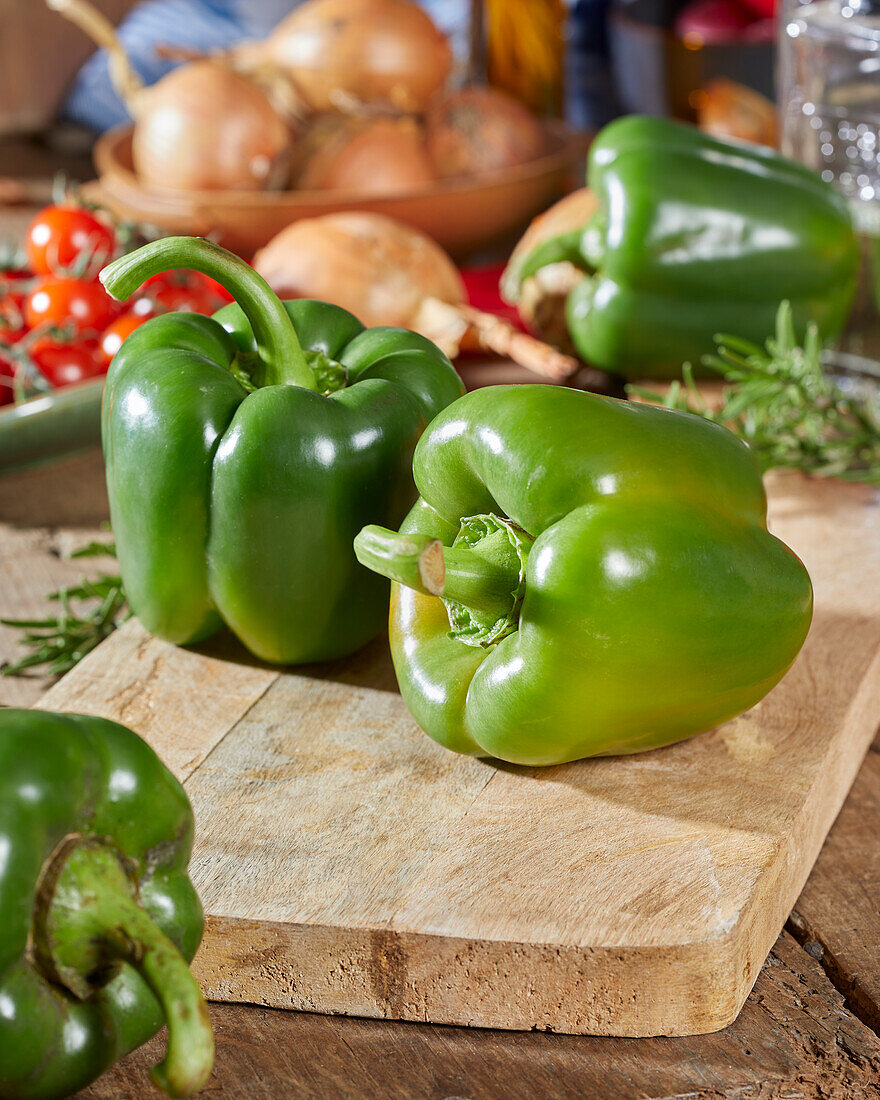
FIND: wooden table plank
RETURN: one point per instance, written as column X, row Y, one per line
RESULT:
column 794, row 1039
column 45, row 513
column 837, row 917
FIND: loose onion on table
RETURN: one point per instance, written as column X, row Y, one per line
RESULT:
column 379, row 156
column 364, row 51
column 376, row 267
column 387, row 273
column 201, row 127
column 477, row 129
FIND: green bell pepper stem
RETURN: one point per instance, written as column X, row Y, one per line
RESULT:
column 276, row 340
column 483, row 580
column 87, row 920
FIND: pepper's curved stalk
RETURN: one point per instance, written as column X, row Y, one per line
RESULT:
column 480, row 578
column 277, row 343
column 87, row 920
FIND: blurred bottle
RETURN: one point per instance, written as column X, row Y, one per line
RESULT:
column 525, row 51
column 829, row 96
column 591, row 97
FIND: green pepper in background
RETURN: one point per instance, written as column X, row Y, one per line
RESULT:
column 97, row 913
column 696, row 236
column 240, row 466
column 584, row 576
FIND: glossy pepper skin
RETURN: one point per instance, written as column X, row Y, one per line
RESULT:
column 97, row 912
column 608, row 583
column 695, row 236
column 240, row 466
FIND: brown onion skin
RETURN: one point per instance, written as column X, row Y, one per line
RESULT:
column 476, row 130
column 730, row 110
column 378, row 268
column 370, row 51
column 383, row 156
column 206, row 127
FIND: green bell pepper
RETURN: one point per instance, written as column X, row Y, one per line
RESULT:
column 97, row 913
column 584, row 576
column 696, row 236
column 240, row 467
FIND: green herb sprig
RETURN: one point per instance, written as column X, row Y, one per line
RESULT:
column 781, row 402
column 58, row 642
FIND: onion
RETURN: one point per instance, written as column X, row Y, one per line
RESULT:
column 476, row 130
column 387, row 273
column 369, row 51
column 203, row 126
column 376, row 267
column 381, row 156
column 730, row 110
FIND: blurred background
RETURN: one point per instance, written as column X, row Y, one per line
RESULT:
column 385, row 154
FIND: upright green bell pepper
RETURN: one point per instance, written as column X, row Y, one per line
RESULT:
column 240, row 467
column 696, row 236
column 96, row 910
column 584, row 576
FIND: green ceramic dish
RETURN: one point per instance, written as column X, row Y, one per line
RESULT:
column 50, row 426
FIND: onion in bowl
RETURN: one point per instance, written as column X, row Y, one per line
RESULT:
column 379, row 156
column 203, row 126
column 339, row 52
column 477, row 129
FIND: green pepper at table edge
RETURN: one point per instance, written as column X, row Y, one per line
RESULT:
column 608, row 582
column 97, row 912
column 235, row 487
column 695, row 236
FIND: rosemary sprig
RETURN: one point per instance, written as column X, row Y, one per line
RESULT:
column 58, row 642
column 780, row 401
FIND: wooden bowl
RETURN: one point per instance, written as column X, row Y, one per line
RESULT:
column 461, row 215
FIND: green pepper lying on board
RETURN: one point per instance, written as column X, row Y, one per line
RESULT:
column 696, row 236
column 97, row 912
column 584, row 576
column 240, row 466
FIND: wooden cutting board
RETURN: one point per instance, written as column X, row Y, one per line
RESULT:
column 348, row 864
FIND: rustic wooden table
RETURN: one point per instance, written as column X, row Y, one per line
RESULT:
column 811, row 1027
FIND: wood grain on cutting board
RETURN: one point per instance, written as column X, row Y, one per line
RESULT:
column 348, row 864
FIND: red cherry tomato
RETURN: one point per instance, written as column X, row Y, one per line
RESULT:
column 66, row 364
column 80, row 303
column 113, row 336
column 184, row 291
column 61, row 238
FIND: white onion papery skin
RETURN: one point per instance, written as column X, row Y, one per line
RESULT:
column 206, row 127
column 378, row 268
column 371, row 51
